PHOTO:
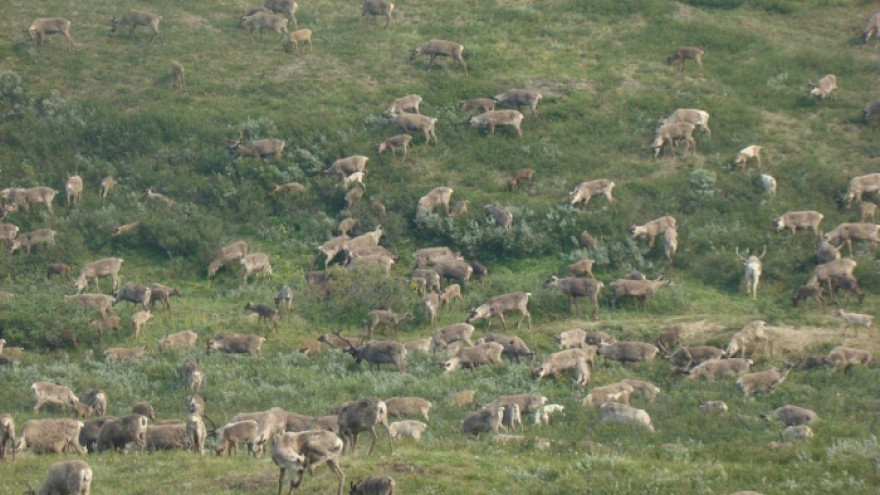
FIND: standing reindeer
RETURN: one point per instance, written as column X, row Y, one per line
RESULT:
column 135, row 18
column 178, row 78
column 754, row 267
column 41, row 27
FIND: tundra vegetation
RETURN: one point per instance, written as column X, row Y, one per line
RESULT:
column 106, row 109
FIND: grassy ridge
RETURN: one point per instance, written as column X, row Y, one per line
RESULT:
column 107, row 108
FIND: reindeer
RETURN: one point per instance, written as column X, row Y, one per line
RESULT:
column 260, row 148
column 296, row 452
column 41, row 27
column 154, row 196
column 374, row 8
column 363, row 415
column 498, row 305
column 575, row 287
column 178, row 79
column 387, row 318
column 683, row 53
column 442, row 48
column 135, row 18
column 639, row 289
column 377, row 352
column 394, row 143
column 754, row 267
column 107, row 183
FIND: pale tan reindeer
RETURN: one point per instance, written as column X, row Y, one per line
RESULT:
column 153, row 196
column 440, row 48
column 74, row 189
column 107, row 183
column 135, row 18
column 262, row 21
column 394, row 143
column 178, row 78
column 41, row 27
column 297, row 37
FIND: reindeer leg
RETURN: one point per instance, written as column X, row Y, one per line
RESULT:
column 372, row 440
column 334, row 466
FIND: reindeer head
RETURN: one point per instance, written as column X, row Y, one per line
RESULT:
column 751, row 259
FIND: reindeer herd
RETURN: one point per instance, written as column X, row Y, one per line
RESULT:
column 296, row 448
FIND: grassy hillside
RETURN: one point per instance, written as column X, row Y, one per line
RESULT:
column 107, row 108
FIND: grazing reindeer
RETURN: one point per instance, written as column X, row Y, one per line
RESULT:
column 751, row 335
column 520, row 176
column 228, row 253
column 459, row 208
column 754, row 267
column 261, row 21
column 68, row 477
column 178, row 80
column 377, row 352
column 149, row 194
column 294, row 38
column 575, row 287
column 640, row 289
column 442, row 48
column 381, row 485
column 74, row 189
column 387, row 318
column 41, row 27
column 135, row 18
column 296, row 452
column 286, row 7
column 265, row 313
column 259, row 148
column 416, row 122
column 408, row 102
column 91, row 272
column 855, row 320
column 872, row 29
column 363, row 415
column 257, row 263
column 686, row 53
column 394, row 143
column 810, row 290
column 107, row 183
column 374, row 8
column 498, row 305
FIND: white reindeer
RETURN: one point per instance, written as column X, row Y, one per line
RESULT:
column 754, row 267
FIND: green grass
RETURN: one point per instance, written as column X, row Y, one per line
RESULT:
column 107, row 108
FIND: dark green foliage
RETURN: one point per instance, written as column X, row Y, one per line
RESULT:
column 44, row 320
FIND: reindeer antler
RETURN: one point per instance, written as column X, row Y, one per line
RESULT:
column 213, row 431
column 741, row 257
column 338, row 334
column 688, row 354
column 763, row 253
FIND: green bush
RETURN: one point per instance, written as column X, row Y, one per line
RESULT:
column 40, row 320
